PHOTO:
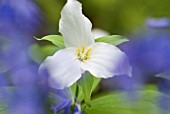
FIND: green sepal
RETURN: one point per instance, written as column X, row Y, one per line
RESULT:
column 55, row 39
column 80, row 95
column 96, row 82
column 113, row 40
column 86, row 84
column 39, row 53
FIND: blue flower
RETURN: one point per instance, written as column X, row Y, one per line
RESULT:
column 64, row 98
column 19, row 15
column 148, row 50
column 3, row 82
column 19, row 20
column 158, row 23
column 77, row 110
column 63, row 105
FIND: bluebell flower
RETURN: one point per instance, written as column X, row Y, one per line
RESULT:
column 15, row 38
column 158, row 23
column 64, row 98
column 164, row 85
column 21, row 14
column 63, row 105
column 148, row 53
column 148, row 50
column 19, row 20
column 77, row 110
column 3, row 82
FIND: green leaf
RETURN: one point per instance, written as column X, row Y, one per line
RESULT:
column 55, row 39
column 113, row 40
column 38, row 54
column 80, row 96
column 86, row 84
column 146, row 102
column 96, row 82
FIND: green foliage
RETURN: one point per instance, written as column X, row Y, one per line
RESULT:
column 115, row 16
column 3, row 105
column 96, row 82
column 113, row 40
column 38, row 54
column 51, row 12
column 55, row 39
column 145, row 102
column 86, row 84
column 123, row 17
column 79, row 94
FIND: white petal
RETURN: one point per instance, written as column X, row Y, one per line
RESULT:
column 107, row 61
column 97, row 33
column 74, row 26
column 63, row 68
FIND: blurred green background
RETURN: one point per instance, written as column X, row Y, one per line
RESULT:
column 115, row 16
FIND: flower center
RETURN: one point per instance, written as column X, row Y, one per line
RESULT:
column 83, row 54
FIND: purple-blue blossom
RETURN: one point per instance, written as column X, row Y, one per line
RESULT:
column 20, row 19
column 148, row 50
column 158, row 23
column 148, row 53
column 64, row 100
column 21, row 14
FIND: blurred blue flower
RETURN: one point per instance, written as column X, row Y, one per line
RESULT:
column 77, row 110
column 148, row 50
column 63, row 105
column 64, row 98
column 158, row 23
column 21, row 14
column 20, row 20
column 3, row 82
column 164, row 85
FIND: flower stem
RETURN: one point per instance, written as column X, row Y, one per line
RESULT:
column 76, row 94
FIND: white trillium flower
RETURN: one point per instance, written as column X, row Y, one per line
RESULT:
column 97, row 33
column 81, row 54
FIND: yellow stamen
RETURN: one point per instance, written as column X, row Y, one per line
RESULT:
column 88, row 57
column 83, row 55
column 88, row 51
column 78, row 50
column 82, row 49
column 84, row 60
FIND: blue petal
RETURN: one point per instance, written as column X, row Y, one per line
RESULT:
column 61, row 106
column 158, row 23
